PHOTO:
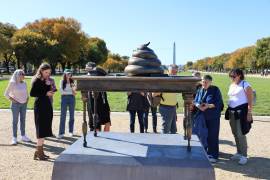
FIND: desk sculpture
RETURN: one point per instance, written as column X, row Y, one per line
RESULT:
column 144, row 75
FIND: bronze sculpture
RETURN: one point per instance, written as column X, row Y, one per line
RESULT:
column 144, row 62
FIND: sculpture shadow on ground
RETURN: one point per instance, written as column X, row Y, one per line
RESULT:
column 54, row 149
column 227, row 142
column 64, row 140
column 154, row 150
column 257, row 167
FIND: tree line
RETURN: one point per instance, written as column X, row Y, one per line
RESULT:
column 252, row 58
column 58, row 41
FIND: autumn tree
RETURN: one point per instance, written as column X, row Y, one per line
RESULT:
column 30, row 47
column 241, row 58
column 64, row 39
column 262, row 53
column 6, row 51
column 116, row 63
column 97, row 50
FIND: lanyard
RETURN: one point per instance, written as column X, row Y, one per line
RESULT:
column 202, row 94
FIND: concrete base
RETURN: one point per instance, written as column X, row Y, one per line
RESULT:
column 126, row 156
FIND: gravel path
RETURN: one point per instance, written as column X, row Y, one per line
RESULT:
column 16, row 162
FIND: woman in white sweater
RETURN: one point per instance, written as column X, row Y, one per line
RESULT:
column 16, row 92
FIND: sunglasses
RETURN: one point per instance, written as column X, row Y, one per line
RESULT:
column 233, row 77
column 22, row 74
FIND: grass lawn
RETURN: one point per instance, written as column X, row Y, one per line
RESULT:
column 118, row 100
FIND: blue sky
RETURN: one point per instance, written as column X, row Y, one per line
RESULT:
column 199, row 28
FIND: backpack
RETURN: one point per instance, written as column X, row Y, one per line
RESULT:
column 254, row 94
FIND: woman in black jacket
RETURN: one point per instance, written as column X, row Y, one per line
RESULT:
column 43, row 111
column 136, row 104
column 103, row 107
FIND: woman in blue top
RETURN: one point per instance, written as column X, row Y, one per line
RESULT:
column 209, row 102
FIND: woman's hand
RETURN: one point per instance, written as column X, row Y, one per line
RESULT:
column 203, row 107
column 249, row 116
column 74, row 92
column 13, row 100
column 50, row 93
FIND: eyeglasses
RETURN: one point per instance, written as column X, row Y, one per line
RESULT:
column 22, row 74
column 205, row 81
column 233, row 77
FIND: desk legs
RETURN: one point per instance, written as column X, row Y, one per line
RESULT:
column 84, row 125
column 188, row 97
column 95, row 94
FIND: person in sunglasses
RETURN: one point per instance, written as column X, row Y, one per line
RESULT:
column 239, row 112
column 16, row 92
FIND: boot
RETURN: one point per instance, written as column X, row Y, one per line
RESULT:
column 39, row 154
column 44, row 153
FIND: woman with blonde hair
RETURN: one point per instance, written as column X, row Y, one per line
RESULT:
column 43, row 111
column 17, row 93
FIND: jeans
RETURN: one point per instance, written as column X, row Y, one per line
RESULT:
column 132, row 114
column 240, row 139
column 168, row 114
column 67, row 101
column 18, row 109
column 154, row 118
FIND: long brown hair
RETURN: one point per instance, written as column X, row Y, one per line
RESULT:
column 42, row 67
column 71, row 81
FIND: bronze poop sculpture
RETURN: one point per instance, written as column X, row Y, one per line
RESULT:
column 144, row 62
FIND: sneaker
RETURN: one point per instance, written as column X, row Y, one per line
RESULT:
column 25, row 139
column 60, row 136
column 243, row 160
column 236, row 156
column 212, row 160
column 70, row 134
column 14, row 141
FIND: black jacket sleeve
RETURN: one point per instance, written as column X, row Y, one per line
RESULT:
column 39, row 89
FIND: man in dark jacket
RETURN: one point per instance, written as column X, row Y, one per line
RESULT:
column 136, row 104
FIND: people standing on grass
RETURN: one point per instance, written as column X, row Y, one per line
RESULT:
column 209, row 104
column 68, row 93
column 136, row 105
column 239, row 112
column 16, row 92
column 43, row 111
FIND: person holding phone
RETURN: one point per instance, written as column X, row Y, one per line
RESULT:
column 43, row 111
column 208, row 101
column 68, row 93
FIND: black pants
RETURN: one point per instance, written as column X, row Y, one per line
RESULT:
column 132, row 114
column 154, row 118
